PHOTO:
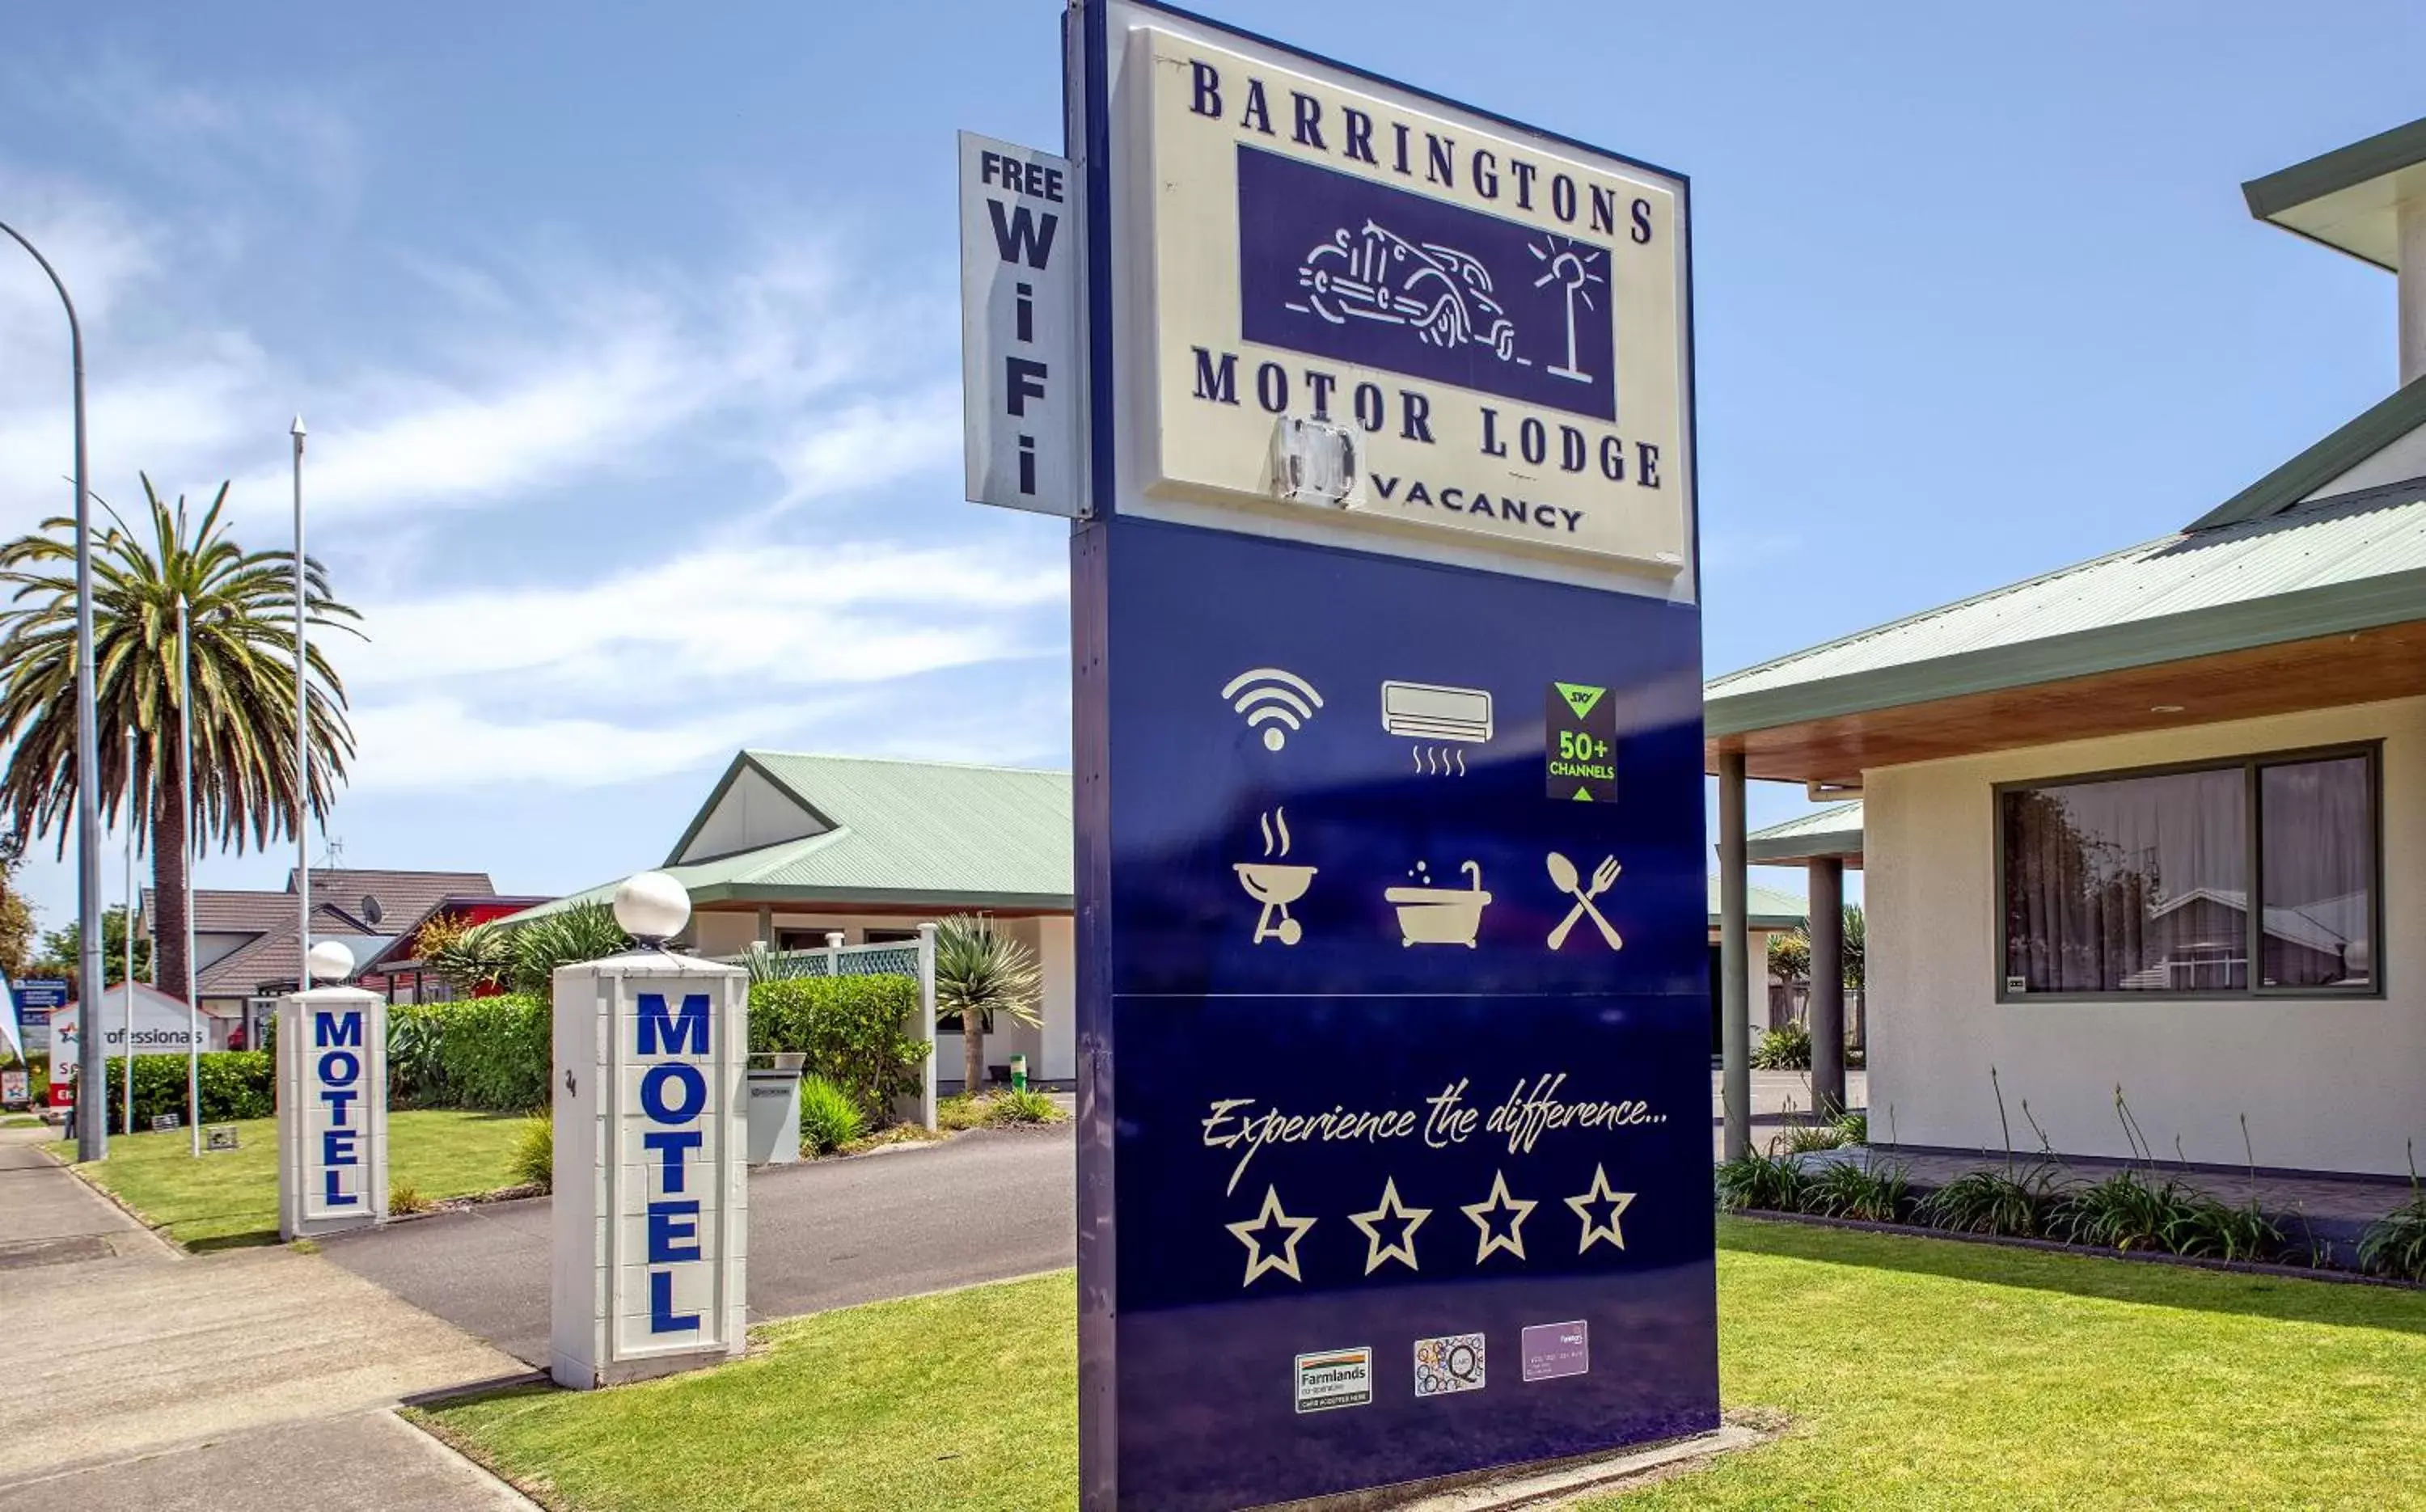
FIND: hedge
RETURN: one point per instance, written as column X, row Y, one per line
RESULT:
column 492, row 1053
column 236, row 1084
column 860, row 1033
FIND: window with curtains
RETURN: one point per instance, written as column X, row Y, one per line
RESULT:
column 2248, row 877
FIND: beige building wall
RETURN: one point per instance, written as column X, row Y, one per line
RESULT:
column 2326, row 1085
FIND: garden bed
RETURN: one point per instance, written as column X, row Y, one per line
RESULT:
column 2138, row 1209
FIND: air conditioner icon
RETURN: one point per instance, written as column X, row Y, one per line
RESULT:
column 1425, row 710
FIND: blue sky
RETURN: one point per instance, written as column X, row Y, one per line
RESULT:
column 627, row 338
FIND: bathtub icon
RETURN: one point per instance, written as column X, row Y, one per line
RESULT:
column 1441, row 916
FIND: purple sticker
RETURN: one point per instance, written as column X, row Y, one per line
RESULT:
column 1555, row 1349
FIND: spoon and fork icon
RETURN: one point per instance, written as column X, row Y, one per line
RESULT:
column 1562, row 872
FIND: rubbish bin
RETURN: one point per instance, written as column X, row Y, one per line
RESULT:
column 1018, row 1073
column 775, row 1110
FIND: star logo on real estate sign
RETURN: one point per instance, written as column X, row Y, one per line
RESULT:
column 1402, row 1220
column 1271, row 1237
column 1600, row 1209
column 1497, row 1212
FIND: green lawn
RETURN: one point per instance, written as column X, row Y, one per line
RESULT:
column 232, row 1197
column 1920, row 1372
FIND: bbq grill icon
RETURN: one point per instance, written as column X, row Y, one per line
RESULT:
column 1275, row 883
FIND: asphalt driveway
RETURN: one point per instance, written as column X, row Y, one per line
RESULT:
column 982, row 1207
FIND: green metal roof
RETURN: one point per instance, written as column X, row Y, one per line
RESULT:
column 1765, row 908
column 917, row 835
column 2354, row 562
column 2345, row 198
column 2378, row 426
column 1836, row 830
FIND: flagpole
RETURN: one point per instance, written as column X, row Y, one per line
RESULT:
column 127, row 986
column 302, row 744
column 193, row 978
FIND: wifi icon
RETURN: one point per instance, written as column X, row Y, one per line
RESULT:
column 1278, row 701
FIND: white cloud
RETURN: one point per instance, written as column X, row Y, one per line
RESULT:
column 872, row 444
column 441, row 744
column 787, row 614
column 652, row 669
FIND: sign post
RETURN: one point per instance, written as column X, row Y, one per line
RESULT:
column 331, row 1111
column 1388, row 783
column 651, row 1206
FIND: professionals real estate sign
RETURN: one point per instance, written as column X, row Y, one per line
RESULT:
column 1394, row 1017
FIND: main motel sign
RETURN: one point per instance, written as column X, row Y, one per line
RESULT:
column 1394, row 1152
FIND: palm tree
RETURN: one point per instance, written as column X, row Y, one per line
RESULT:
column 979, row 972
column 240, row 608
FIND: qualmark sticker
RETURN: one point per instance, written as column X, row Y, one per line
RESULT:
column 1334, row 1378
column 1449, row 1364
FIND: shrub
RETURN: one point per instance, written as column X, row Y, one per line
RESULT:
column 1801, row 1138
column 2124, row 1212
column 1855, row 1127
column 236, row 1084
column 2395, row 1244
column 828, row 1118
column 494, row 1052
column 965, row 1111
column 860, row 1033
column 583, row 932
column 1015, row 1107
column 471, row 959
column 417, row 1068
column 1875, row 1192
column 2010, row 1204
column 533, row 1162
column 404, row 1200
column 1787, row 1048
column 2204, row 1225
column 1774, row 1182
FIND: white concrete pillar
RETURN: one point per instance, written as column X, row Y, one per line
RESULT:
column 331, row 1111
column 927, row 1022
column 2410, row 219
column 1735, row 960
column 649, row 1263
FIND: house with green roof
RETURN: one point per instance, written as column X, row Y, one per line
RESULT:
column 794, row 849
column 2142, row 822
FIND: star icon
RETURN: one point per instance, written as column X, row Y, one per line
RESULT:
column 1494, row 1207
column 1405, row 1220
column 1597, row 1198
column 1266, row 1249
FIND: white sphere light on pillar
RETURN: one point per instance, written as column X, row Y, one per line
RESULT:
column 329, row 960
column 652, row 907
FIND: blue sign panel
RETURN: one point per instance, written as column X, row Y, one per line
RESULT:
column 1395, row 1148
column 43, row 992
column 1336, row 264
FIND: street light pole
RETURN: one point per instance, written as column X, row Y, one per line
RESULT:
column 302, row 745
column 92, row 1096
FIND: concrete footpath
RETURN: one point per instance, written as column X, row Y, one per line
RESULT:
column 245, row 1380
